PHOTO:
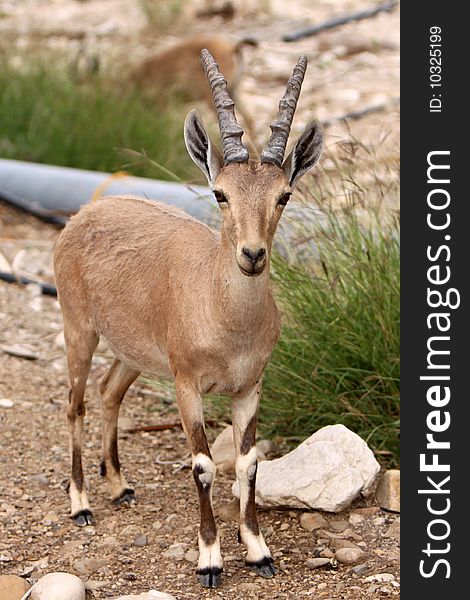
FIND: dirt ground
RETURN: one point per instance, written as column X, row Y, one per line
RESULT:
column 37, row 535
column 127, row 551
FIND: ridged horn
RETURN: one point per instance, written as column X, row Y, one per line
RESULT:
column 280, row 127
column 230, row 131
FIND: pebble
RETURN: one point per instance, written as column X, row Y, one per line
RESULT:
column 315, row 563
column 360, row 569
column 248, row 587
column 12, row 587
column 175, row 551
column 356, row 519
column 157, row 525
column 322, row 586
column 87, row 566
column 367, row 511
column 327, row 553
column 6, row 403
column 339, row 525
column 394, row 530
column 380, row 578
column 230, row 512
column 20, row 351
column 56, row 586
column 284, row 527
column 266, row 446
column 378, row 521
column 192, row 555
column 41, row 479
column 339, row 544
column 312, row 521
column 141, row 541
column 349, row 556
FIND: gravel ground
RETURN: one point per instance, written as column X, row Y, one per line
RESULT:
column 132, row 550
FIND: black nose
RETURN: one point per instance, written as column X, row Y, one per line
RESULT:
column 254, row 255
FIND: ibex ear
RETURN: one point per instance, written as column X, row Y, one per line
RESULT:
column 305, row 154
column 200, row 147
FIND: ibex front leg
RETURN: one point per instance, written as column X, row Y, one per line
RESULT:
column 244, row 417
column 210, row 563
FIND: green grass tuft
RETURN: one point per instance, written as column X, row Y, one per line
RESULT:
column 338, row 357
column 48, row 117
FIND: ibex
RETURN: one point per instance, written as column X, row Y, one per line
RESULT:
column 173, row 297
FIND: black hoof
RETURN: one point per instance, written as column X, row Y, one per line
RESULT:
column 83, row 518
column 126, row 498
column 264, row 567
column 210, row 577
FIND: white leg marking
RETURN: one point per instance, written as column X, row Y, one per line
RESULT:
column 209, row 555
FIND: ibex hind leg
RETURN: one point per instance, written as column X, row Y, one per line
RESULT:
column 80, row 346
column 113, row 387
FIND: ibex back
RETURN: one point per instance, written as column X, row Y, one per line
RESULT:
column 173, row 297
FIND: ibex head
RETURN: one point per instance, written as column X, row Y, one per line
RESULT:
column 252, row 194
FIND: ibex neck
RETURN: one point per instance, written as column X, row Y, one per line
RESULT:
column 240, row 301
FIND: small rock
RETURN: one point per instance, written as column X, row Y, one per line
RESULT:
column 340, row 544
column 315, row 563
column 312, row 521
column 366, row 511
column 6, row 556
column 230, row 512
column 6, row 403
column 192, row 556
column 59, row 340
column 248, row 587
column 151, row 595
column 322, row 586
column 87, row 566
column 12, row 587
column 109, row 540
column 41, row 479
column 327, row 553
column 175, row 551
column 394, row 530
column 360, row 569
column 20, row 351
column 380, row 578
column 349, row 556
column 356, row 519
column 157, row 525
column 94, row 585
column 378, row 521
column 266, row 447
column 141, row 541
column 284, row 527
column 57, row 586
column 339, row 525
column 50, row 518
column 388, row 491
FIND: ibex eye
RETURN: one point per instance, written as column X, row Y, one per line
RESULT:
column 283, row 200
column 220, row 196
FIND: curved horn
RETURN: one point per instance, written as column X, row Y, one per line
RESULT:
column 230, row 130
column 280, row 127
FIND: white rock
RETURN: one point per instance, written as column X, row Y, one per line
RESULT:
column 151, row 595
column 326, row 472
column 223, row 451
column 6, row 403
column 57, row 586
column 380, row 578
